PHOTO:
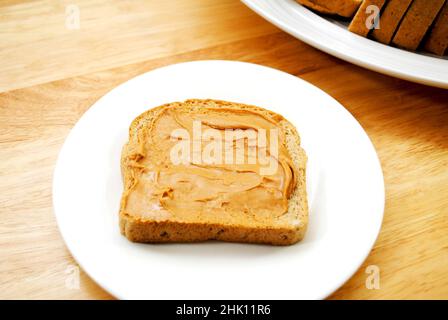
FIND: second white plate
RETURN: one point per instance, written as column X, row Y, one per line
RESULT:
column 334, row 39
column 345, row 185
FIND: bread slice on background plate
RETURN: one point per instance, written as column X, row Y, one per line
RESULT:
column 437, row 41
column 390, row 19
column 359, row 24
column 416, row 23
column 343, row 8
column 165, row 201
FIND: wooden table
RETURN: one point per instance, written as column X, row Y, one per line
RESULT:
column 51, row 72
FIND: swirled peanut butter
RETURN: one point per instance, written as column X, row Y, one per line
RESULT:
column 209, row 163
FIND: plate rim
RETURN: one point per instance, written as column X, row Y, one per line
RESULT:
column 112, row 291
column 387, row 69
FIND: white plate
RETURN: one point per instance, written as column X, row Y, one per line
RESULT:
column 333, row 38
column 345, row 185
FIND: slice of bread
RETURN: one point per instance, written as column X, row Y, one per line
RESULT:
column 362, row 23
column 390, row 19
column 343, row 8
column 246, row 225
column 416, row 23
column 437, row 41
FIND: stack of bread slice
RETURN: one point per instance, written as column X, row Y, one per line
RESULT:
column 407, row 24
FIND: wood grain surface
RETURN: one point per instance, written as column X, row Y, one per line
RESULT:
column 50, row 75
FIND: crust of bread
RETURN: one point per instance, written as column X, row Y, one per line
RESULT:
column 390, row 19
column 291, row 230
column 343, row 8
column 416, row 22
column 358, row 24
column 437, row 41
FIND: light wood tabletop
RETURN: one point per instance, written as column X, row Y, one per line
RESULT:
column 53, row 67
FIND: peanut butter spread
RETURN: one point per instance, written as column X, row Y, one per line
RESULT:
column 208, row 164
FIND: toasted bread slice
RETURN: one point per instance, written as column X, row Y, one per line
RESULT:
column 343, row 8
column 166, row 223
column 390, row 19
column 362, row 23
column 437, row 41
column 416, row 23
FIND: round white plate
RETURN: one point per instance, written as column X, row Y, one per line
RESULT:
column 335, row 39
column 345, row 185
